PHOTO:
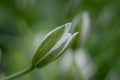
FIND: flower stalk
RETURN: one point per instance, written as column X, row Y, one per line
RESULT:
column 18, row 74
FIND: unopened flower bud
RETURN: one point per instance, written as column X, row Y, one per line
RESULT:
column 53, row 45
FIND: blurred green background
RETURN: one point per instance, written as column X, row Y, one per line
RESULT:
column 94, row 56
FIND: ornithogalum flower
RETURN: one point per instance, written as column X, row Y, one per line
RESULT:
column 53, row 45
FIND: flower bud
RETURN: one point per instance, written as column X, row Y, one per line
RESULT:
column 53, row 45
column 81, row 24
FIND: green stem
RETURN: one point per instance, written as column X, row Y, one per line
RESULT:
column 18, row 74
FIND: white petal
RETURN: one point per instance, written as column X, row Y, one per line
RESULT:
column 67, row 43
column 65, row 36
column 70, row 39
column 59, row 43
column 67, row 27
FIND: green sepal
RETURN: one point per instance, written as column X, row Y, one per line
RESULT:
column 48, row 42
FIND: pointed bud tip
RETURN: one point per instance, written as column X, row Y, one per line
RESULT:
column 68, row 26
column 76, row 33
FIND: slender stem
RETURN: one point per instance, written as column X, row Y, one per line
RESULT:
column 18, row 74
